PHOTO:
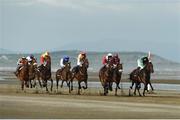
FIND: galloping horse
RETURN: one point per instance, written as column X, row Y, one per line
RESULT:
column 24, row 75
column 142, row 77
column 81, row 75
column 117, row 72
column 64, row 74
column 33, row 73
column 45, row 74
column 105, row 76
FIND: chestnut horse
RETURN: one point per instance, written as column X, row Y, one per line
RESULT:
column 80, row 74
column 45, row 74
column 117, row 72
column 142, row 77
column 64, row 74
column 24, row 75
column 105, row 76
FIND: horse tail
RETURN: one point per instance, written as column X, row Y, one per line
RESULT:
column 130, row 77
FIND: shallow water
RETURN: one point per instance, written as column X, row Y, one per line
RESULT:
column 126, row 85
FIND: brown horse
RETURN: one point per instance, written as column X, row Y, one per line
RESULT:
column 105, row 76
column 64, row 74
column 142, row 77
column 33, row 74
column 24, row 75
column 45, row 74
column 117, row 72
column 80, row 74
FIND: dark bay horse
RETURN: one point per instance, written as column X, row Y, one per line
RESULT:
column 80, row 75
column 105, row 76
column 116, row 78
column 45, row 74
column 24, row 75
column 142, row 77
column 33, row 74
column 64, row 74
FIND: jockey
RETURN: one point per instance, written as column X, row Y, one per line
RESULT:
column 44, row 57
column 116, row 60
column 107, row 59
column 63, row 61
column 31, row 59
column 142, row 62
column 81, row 58
column 22, row 61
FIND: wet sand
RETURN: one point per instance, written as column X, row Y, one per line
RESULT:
column 36, row 103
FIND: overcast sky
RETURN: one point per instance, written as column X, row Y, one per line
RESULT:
column 95, row 25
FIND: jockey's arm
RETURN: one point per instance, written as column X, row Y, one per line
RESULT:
column 19, row 62
column 61, row 63
column 79, row 62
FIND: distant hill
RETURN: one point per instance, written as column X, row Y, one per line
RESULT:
column 127, row 56
column 129, row 60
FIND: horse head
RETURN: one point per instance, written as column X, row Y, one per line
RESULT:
column 120, row 68
column 149, row 67
column 85, row 64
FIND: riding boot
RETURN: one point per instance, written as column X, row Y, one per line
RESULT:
column 77, row 68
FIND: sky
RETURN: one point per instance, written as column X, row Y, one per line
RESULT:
column 91, row 25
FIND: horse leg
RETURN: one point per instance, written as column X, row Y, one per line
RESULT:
column 139, row 91
column 40, row 83
column 29, row 81
column 62, row 83
column 86, row 86
column 46, row 85
column 132, row 85
column 130, row 88
column 151, row 86
column 69, row 85
column 110, row 86
column 34, row 83
column 51, row 84
column 117, row 87
column 79, row 87
column 145, row 88
column 71, row 82
column 106, row 89
column 136, row 88
column 116, row 90
column 57, row 84
column 22, row 85
column 105, row 93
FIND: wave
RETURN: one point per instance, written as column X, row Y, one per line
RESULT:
column 3, row 57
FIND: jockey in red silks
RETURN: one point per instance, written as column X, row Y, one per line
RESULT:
column 116, row 60
column 44, row 57
column 107, row 59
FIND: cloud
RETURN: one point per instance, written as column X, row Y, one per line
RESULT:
column 80, row 5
